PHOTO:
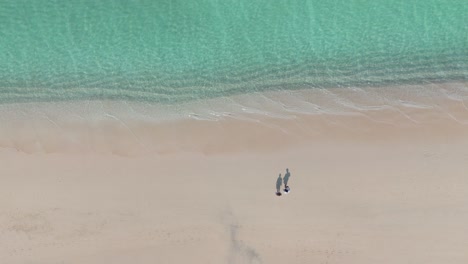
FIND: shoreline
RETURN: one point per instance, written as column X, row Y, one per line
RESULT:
column 263, row 123
column 260, row 134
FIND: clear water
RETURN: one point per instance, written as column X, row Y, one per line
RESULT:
column 173, row 51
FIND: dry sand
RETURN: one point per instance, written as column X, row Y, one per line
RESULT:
column 389, row 186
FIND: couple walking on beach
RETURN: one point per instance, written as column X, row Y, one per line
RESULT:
column 280, row 182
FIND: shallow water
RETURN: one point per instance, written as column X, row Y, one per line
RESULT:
column 174, row 51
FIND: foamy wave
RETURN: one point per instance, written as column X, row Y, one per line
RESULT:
column 277, row 104
column 339, row 101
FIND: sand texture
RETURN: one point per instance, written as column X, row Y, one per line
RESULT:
column 388, row 186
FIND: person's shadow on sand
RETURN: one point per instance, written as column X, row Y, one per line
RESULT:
column 286, row 178
column 279, row 182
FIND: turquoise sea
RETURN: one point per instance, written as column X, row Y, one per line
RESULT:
column 174, row 51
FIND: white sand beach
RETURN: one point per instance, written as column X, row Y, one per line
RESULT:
column 384, row 186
